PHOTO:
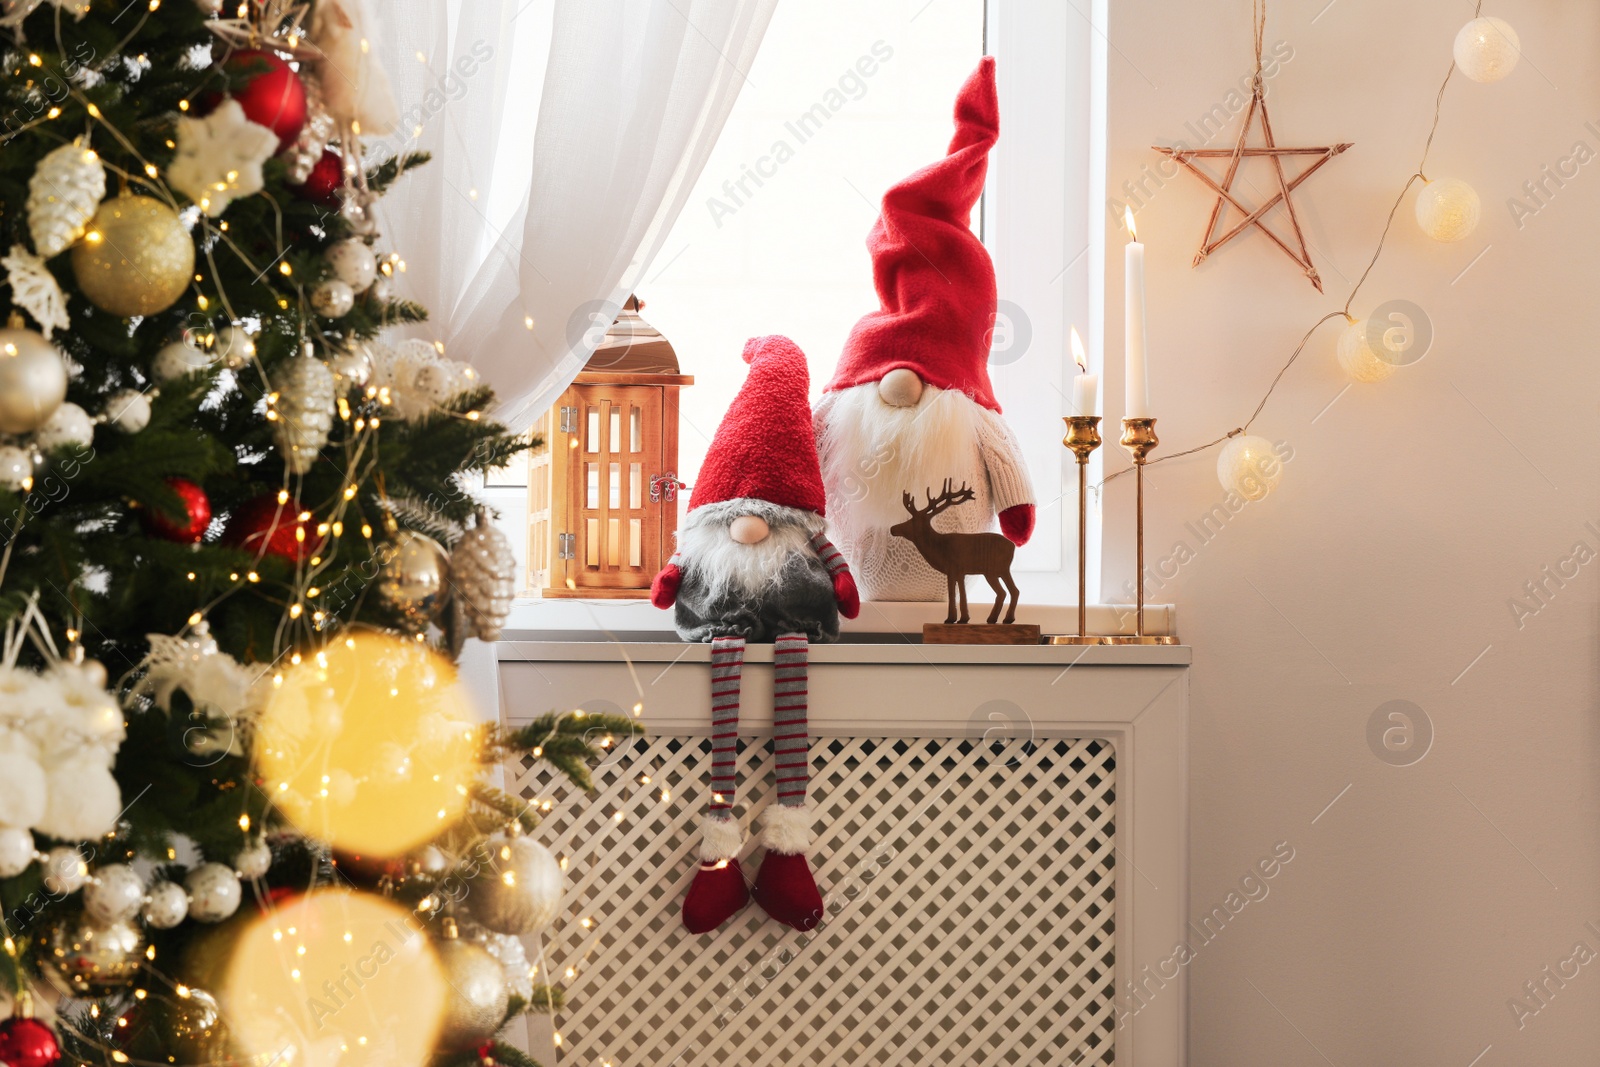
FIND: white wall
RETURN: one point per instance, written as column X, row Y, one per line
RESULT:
column 1412, row 513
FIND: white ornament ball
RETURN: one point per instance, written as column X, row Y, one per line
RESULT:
column 520, row 890
column 353, row 263
column 167, row 906
column 70, row 425
column 1357, row 357
column 234, row 346
column 382, row 289
column 180, row 359
column 16, row 851
column 16, row 468
column 253, row 860
column 64, row 871
column 128, row 410
column 214, row 892
column 333, row 299
column 1448, row 209
column 1249, row 466
column 1487, row 49
column 33, row 380
column 114, row 894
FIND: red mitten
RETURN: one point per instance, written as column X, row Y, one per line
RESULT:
column 664, row 590
column 785, row 887
column 718, row 890
column 1016, row 523
column 844, row 591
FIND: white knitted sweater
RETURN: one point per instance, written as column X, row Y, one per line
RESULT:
column 890, row 568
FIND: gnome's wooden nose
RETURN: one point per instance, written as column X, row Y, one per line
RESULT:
column 900, row 388
column 748, row 529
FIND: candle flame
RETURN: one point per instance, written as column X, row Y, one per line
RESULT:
column 1077, row 352
column 1127, row 218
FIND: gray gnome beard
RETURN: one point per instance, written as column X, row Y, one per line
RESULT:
column 778, row 585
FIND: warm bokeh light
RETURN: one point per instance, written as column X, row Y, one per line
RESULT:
column 345, row 712
column 335, row 978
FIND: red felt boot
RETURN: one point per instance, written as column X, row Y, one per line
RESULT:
column 718, row 890
column 785, row 886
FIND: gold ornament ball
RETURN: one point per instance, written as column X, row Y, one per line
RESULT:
column 1249, row 466
column 90, row 959
column 1487, row 49
column 1357, row 357
column 33, row 381
column 1448, row 209
column 136, row 258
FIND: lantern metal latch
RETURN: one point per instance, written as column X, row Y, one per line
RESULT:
column 569, row 419
column 665, row 485
column 566, row 546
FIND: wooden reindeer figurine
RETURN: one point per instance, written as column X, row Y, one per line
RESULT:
column 956, row 555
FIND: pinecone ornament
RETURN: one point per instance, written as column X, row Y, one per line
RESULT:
column 302, row 157
column 483, row 571
column 301, row 410
column 63, row 195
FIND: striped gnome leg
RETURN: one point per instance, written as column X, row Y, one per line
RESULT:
column 785, row 886
column 718, row 890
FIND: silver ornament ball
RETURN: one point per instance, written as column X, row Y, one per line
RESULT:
column 33, row 381
column 253, row 860
column 520, row 889
column 167, row 906
column 16, row 851
column 128, row 410
column 476, row 1004
column 16, row 468
column 64, row 870
column 114, row 894
column 413, row 580
column 214, row 892
column 70, row 425
column 92, row 959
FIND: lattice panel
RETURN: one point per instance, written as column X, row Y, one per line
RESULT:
column 969, row 910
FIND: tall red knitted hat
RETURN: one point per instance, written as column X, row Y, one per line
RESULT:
column 765, row 447
column 934, row 278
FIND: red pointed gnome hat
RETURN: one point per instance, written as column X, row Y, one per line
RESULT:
column 934, row 278
column 765, row 447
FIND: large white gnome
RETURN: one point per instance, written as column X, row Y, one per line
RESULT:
column 910, row 404
column 753, row 565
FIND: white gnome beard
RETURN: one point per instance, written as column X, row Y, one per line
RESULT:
column 724, row 567
column 873, row 451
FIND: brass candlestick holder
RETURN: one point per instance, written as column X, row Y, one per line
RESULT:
column 1139, row 438
column 1083, row 437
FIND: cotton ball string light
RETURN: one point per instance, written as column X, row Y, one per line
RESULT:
column 214, row 892
column 1249, row 466
column 273, row 992
column 1358, row 358
column 253, row 860
column 64, row 870
column 1448, row 209
column 1487, row 49
column 166, row 906
column 114, row 894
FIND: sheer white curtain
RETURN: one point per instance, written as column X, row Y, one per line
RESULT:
column 634, row 95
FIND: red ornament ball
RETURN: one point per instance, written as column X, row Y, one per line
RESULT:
column 28, row 1043
column 196, row 511
column 271, row 93
column 262, row 524
column 322, row 185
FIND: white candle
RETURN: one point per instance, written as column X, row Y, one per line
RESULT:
column 1136, row 399
column 1086, row 386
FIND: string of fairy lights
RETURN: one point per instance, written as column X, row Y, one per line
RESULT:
column 1485, row 50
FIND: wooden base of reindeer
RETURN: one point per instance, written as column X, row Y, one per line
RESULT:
column 979, row 633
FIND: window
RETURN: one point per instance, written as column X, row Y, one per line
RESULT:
column 845, row 99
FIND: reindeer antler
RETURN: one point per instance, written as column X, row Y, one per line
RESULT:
column 909, row 501
column 947, row 498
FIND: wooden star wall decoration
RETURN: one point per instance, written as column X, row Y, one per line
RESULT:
column 1256, row 217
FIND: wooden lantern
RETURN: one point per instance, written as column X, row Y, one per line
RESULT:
column 603, row 493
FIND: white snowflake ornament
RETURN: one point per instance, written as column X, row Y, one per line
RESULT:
column 219, row 157
column 35, row 290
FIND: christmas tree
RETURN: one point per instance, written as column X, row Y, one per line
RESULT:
column 237, row 771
